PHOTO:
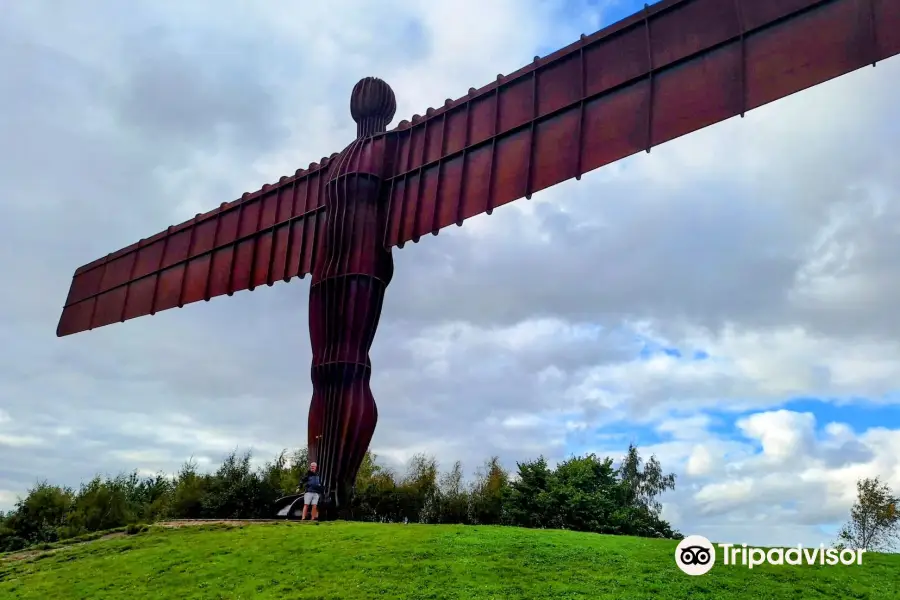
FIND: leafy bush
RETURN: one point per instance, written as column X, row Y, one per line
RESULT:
column 136, row 528
column 40, row 516
column 584, row 493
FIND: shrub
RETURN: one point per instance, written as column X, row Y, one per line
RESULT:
column 584, row 493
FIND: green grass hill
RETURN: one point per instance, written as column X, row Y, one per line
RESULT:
column 350, row 561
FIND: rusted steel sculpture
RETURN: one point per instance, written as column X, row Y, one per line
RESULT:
column 674, row 68
column 349, row 279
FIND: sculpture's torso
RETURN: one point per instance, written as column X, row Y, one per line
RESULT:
column 354, row 240
column 352, row 255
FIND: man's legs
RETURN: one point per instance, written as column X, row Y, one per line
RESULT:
column 308, row 499
column 315, row 507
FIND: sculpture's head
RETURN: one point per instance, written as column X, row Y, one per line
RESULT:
column 372, row 105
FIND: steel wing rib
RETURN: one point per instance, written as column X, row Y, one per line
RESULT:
column 266, row 236
column 676, row 67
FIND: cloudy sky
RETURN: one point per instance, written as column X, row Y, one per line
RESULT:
column 726, row 302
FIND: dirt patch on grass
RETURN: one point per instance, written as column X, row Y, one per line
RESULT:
column 32, row 553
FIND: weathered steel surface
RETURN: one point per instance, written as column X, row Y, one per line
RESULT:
column 677, row 67
column 349, row 279
column 267, row 236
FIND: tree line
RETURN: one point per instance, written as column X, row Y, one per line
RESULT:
column 584, row 493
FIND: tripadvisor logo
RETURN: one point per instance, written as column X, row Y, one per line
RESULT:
column 696, row 555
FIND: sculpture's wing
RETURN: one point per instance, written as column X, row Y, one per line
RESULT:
column 269, row 235
column 677, row 67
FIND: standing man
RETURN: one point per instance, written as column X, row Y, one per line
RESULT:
column 313, row 490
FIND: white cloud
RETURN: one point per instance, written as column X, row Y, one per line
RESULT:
column 700, row 462
column 786, row 480
column 19, row 441
column 784, row 435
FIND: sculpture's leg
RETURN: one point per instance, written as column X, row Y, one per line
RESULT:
column 344, row 314
column 343, row 412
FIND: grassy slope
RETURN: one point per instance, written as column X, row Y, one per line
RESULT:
column 356, row 560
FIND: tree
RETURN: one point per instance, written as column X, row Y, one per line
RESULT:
column 529, row 501
column 584, row 494
column 418, row 490
column 874, row 519
column 41, row 514
column 102, row 504
column 644, row 485
column 454, row 499
column 188, row 488
column 375, row 497
column 488, row 492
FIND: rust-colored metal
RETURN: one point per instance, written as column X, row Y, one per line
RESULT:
column 668, row 70
column 216, row 253
column 671, row 69
column 349, row 280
